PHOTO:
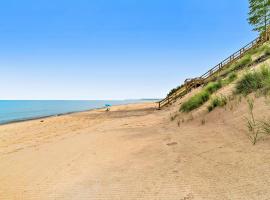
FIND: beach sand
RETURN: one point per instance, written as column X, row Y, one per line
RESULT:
column 132, row 152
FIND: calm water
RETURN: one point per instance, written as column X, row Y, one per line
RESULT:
column 11, row 111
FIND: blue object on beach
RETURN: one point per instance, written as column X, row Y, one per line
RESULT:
column 107, row 105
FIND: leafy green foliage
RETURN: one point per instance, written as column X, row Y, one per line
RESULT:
column 259, row 14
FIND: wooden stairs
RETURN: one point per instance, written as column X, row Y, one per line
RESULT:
column 190, row 84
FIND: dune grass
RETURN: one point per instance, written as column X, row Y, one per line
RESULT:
column 253, row 81
column 195, row 101
column 213, row 87
column 231, row 77
column 243, row 62
column 256, row 128
column 240, row 64
column 217, row 101
column 200, row 98
column 264, row 49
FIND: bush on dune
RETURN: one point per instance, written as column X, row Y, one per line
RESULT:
column 200, row 98
column 254, row 81
column 213, row 87
column 195, row 101
column 217, row 102
column 249, row 83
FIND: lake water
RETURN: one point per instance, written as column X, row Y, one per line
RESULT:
column 11, row 111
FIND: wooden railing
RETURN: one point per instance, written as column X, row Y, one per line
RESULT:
column 206, row 77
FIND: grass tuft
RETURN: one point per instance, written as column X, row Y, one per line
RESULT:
column 254, row 81
column 195, row 101
column 217, row 102
column 199, row 99
column 213, row 87
column 256, row 128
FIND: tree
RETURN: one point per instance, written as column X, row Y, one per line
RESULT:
column 259, row 14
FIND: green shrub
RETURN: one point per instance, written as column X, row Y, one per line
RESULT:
column 217, row 102
column 213, row 87
column 200, row 98
column 195, row 101
column 249, row 83
column 253, row 81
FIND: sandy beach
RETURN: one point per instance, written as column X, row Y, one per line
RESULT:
column 132, row 152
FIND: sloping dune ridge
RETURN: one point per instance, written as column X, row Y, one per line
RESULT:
column 138, row 152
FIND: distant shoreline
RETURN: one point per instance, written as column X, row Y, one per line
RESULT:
column 70, row 113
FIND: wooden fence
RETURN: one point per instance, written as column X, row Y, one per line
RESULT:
column 209, row 75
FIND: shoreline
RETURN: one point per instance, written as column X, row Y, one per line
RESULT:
column 67, row 113
column 133, row 150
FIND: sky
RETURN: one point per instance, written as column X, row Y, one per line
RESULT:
column 113, row 49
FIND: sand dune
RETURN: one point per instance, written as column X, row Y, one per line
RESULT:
column 134, row 152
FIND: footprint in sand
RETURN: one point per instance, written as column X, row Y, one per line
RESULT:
column 172, row 144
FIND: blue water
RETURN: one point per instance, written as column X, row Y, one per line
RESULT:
column 11, row 111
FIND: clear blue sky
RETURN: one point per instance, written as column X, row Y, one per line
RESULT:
column 113, row 49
